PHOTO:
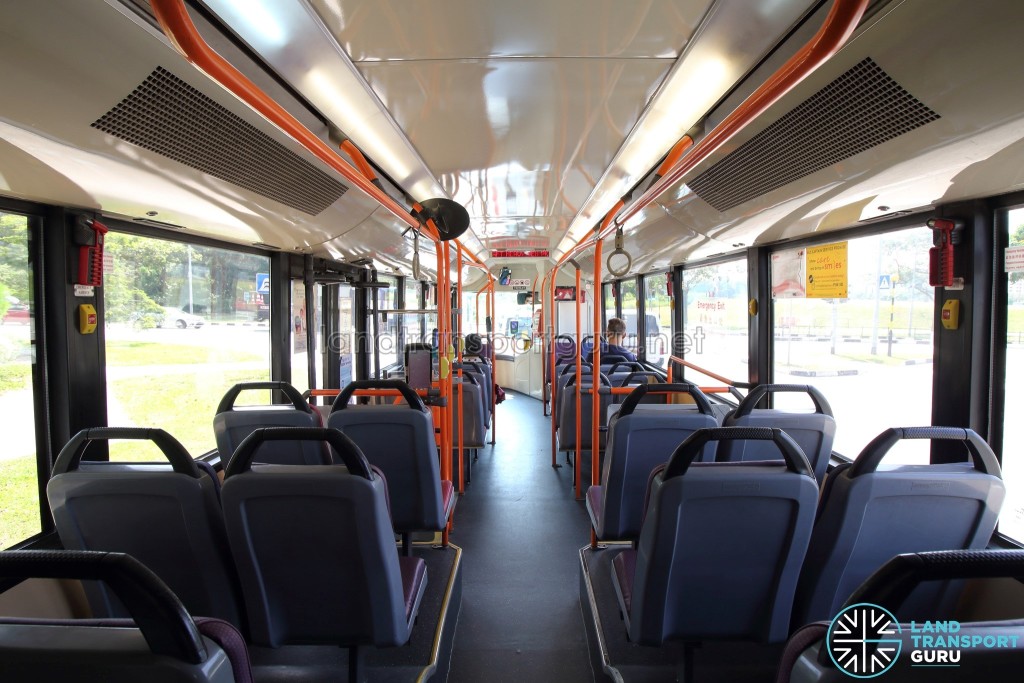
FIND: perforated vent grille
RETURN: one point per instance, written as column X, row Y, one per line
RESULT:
column 168, row 116
column 859, row 110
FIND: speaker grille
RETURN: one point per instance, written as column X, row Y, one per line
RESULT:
column 168, row 116
column 859, row 110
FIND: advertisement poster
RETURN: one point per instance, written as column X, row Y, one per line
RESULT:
column 827, row 271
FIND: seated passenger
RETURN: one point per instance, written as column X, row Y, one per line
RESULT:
column 615, row 335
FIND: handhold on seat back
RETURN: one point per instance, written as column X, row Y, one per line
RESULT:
column 807, row 658
column 721, row 545
column 347, row 450
column 231, row 425
column 868, row 513
column 412, row 399
column 160, row 639
column 815, row 432
column 117, row 507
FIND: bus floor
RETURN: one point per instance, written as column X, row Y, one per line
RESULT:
column 520, row 529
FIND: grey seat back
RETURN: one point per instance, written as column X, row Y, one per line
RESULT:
column 473, row 430
column 806, row 658
column 814, row 432
column 721, row 545
column 567, row 375
column 485, row 378
column 160, row 643
column 166, row 516
column 233, row 423
column 641, row 437
column 567, row 421
column 868, row 513
column 314, row 547
column 399, row 439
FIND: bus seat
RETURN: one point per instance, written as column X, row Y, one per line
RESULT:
column 399, row 439
column 160, row 639
column 567, row 421
column 167, row 517
column 641, row 437
column 232, row 424
column 805, row 661
column 814, row 432
column 567, row 373
column 486, row 381
column 869, row 513
column 721, row 545
column 315, row 551
column 473, row 430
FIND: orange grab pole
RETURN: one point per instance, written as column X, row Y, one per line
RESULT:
column 179, row 29
column 579, row 403
column 554, row 438
column 595, row 402
column 462, row 405
column 494, row 367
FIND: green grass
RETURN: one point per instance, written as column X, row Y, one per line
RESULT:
column 182, row 405
column 14, row 376
column 19, row 500
column 135, row 353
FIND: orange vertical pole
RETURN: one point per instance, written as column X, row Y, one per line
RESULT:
column 579, row 403
column 595, row 453
column 443, row 293
column 554, row 438
column 462, row 406
column 494, row 368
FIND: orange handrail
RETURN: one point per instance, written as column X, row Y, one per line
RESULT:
column 712, row 375
column 840, row 23
column 462, row 404
column 579, row 402
column 179, row 29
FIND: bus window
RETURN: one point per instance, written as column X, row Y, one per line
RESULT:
column 628, row 306
column 180, row 331
column 715, row 319
column 1011, row 521
column 870, row 353
column 658, row 318
column 19, row 488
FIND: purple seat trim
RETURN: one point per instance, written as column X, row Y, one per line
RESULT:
column 595, row 506
column 231, row 641
column 802, row 639
column 650, row 484
column 447, row 498
column 413, row 571
column 624, row 569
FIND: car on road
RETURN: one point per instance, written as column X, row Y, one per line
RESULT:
column 262, row 312
column 175, row 317
column 17, row 313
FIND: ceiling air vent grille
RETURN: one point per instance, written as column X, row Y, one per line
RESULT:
column 168, row 116
column 859, row 110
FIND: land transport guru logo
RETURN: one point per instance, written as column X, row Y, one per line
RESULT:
column 865, row 641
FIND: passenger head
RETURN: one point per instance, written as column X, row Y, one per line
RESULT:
column 616, row 331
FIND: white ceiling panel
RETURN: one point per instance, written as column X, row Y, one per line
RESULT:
column 385, row 30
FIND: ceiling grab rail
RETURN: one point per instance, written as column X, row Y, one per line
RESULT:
column 181, row 31
column 837, row 28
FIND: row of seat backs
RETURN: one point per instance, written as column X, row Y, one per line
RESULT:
column 161, row 638
column 292, row 553
column 398, row 439
column 806, row 659
column 718, row 535
column 643, row 437
column 566, row 405
column 481, row 371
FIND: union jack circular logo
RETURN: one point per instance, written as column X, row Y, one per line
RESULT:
column 864, row 640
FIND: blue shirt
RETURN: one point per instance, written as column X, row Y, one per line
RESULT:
column 615, row 350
